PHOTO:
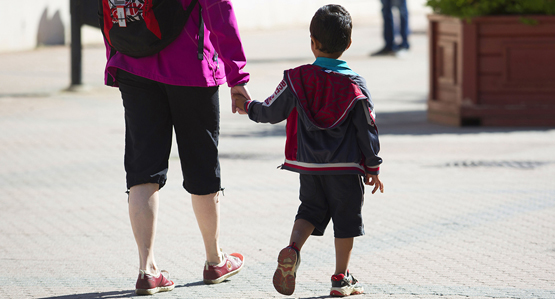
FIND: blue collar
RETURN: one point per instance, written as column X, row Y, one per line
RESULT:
column 335, row 65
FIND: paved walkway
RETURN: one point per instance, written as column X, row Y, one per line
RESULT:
column 466, row 213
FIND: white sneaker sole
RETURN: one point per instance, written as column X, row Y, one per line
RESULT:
column 154, row 290
column 346, row 291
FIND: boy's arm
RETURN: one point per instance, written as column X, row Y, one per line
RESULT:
column 274, row 109
column 369, row 144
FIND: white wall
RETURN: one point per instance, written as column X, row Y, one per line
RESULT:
column 26, row 24
column 19, row 22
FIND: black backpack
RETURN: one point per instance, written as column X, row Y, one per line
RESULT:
column 140, row 28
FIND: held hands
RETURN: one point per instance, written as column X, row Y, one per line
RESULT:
column 239, row 95
column 374, row 180
column 240, row 101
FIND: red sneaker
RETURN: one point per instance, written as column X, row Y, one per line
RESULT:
column 149, row 284
column 230, row 265
column 289, row 259
column 344, row 285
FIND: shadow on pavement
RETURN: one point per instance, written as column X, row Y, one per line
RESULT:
column 117, row 294
column 107, row 295
column 416, row 123
column 259, row 132
column 400, row 123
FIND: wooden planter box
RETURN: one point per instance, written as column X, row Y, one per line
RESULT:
column 492, row 71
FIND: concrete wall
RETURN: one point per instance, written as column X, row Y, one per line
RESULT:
column 25, row 25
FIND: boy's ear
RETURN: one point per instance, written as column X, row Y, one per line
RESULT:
column 349, row 45
column 315, row 43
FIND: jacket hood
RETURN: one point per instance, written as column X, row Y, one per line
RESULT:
column 326, row 97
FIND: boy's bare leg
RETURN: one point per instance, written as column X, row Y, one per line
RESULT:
column 301, row 231
column 207, row 212
column 289, row 258
column 143, row 213
column 343, row 248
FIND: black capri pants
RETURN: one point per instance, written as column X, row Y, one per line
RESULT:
column 152, row 109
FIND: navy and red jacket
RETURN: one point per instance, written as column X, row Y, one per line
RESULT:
column 330, row 123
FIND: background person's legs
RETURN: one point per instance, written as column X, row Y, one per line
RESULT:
column 404, row 24
column 388, row 26
column 388, row 31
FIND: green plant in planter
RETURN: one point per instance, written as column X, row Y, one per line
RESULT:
column 473, row 8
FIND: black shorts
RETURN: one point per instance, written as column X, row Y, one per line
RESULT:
column 152, row 109
column 337, row 197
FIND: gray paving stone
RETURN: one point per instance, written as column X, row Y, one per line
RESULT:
column 466, row 213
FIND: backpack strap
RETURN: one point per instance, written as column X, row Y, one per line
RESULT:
column 200, row 49
column 190, row 8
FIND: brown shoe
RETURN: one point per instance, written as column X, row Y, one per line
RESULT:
column 289, row 259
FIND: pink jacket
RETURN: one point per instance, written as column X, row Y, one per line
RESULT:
column 177, row 64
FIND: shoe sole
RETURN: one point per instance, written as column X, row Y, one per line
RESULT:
column 224, row 277
column 284, row 277
column 154, row 290
column 346, row 291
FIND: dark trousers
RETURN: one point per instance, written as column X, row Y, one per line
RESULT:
column 152, row 111
column 389, row 24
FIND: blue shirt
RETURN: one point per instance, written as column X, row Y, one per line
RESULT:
column 335, row 65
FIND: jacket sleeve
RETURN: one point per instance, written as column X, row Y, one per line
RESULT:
column 275, row 108
column 367, row 136
column 220, row 21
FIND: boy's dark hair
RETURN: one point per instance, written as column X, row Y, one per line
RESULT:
column 332, row 26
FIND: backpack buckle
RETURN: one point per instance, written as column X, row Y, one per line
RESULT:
column 120, row 9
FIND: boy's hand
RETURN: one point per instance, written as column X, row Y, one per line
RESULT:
column 374, row 180
column 238, row 92
column 240, row 101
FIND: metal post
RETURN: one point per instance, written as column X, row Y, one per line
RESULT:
column 76, row 16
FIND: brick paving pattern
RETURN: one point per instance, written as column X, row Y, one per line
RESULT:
column 466, row 213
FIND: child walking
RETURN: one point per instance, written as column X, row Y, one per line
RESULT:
column 332, row 142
